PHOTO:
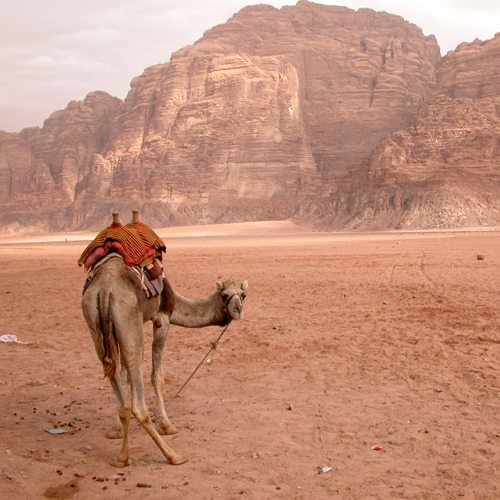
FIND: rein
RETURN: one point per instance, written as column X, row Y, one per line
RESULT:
column 213, row 345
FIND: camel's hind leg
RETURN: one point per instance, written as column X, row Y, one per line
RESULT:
column 115, row 431
column 160, row 331
column 140, row 412
column 124, row 416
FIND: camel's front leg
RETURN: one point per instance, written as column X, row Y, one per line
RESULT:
column 160, row 331
column 140, row 412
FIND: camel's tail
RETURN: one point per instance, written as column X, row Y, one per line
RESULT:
column 109, row 355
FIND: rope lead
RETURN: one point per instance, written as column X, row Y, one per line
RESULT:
column 213, row 345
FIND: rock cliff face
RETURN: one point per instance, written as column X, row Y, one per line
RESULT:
column 343, row 117
column 264, row 112
column 40, row 168
column 441, row 171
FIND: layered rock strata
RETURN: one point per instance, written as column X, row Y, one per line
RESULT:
column 264, row 112
column 443, row 170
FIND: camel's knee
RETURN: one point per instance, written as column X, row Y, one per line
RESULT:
column 157, row 380
column 161, row 322
column 124, row 414
column 141, row 414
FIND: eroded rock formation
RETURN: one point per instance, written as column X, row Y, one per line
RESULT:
column 41, row 167
column 341, row 117
column 443, row 170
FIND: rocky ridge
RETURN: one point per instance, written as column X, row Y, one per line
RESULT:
column 348, row 119
column 443, row 170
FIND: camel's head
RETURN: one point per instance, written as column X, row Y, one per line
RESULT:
column 232, row 294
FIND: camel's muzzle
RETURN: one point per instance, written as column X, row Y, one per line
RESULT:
column 235, row 307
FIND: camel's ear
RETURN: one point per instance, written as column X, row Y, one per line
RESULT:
column 244, row 285
column 219, row 286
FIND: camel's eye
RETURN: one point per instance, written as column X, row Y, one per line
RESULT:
column 242, row 296
column 224, row 295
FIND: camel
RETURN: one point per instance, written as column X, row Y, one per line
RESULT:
column 115, row 307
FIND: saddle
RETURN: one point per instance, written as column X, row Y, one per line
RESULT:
column 137, row 244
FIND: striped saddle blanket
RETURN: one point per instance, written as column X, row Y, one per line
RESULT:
column 138, row 245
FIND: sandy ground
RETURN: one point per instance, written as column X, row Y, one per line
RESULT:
column 345, row 341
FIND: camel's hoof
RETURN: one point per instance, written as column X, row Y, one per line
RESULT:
column 167, row 430
column 113, row 434
column 177, row 460
column 121, row 463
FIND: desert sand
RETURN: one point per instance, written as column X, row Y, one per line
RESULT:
column 375, row 356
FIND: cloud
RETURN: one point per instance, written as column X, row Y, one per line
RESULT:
column 88, row 45
column 488, row 6
column 55, row 51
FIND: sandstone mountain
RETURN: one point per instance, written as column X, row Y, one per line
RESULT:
column 443, row 169
column 348, row 119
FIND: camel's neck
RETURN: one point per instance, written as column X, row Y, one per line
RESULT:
column 199, row 313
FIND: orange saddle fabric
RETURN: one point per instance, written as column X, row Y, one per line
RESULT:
column 136, row 243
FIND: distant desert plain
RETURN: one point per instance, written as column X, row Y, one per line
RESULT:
column 366, row 367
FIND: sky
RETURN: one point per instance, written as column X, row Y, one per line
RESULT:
column 56, row 51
